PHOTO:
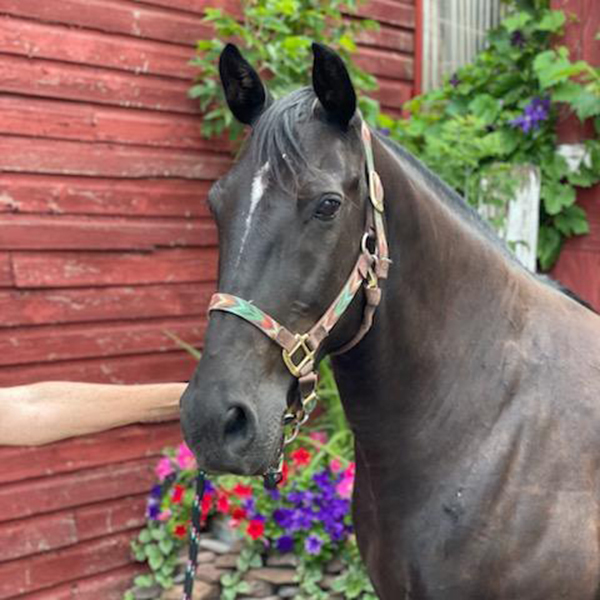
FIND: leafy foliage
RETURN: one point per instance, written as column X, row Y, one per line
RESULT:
column 277, row 36
column 503, row 110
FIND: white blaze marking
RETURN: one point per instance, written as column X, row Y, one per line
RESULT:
column 259, row 185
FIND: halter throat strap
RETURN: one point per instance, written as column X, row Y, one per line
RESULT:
column 299, row 350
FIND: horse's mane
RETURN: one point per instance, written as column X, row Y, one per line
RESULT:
column 468, row 213
column 275, row 139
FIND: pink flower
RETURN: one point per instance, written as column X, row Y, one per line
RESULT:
column 164, row 468
column 344, row 487
column 318, row 436
column 335, row 464
column 350, row 471
column 165, row 515
column 185, row 458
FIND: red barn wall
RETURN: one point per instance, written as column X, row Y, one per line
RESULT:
column 105, row 243
column 578, row 266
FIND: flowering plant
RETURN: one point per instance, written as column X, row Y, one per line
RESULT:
column 307, row 515
column 502, row 110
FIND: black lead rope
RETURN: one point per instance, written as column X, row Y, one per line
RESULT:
column 190, row 571
column 271, row 478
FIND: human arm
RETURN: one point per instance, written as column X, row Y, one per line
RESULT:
column 46, row 412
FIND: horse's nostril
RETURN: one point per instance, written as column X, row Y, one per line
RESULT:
column 236, row 423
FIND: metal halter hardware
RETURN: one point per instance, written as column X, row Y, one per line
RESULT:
column 299, row 350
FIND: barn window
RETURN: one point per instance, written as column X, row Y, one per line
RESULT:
column 453, row 32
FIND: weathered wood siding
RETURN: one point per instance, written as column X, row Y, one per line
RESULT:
column 105, row 243
column 579, row 263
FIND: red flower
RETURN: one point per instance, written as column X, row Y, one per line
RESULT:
column 239, row 513
column 180, row 531
column 206, row 503
column 243, row 491
column 255, row 529
column 301, row 457
column 178, row 492
column 285, row 473
column 223, row 503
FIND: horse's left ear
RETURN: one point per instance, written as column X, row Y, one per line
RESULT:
column 245, row 93
column 333, row 85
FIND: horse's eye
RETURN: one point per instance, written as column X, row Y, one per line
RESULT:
column 327, row 208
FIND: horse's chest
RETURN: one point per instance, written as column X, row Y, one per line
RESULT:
column 501, row 544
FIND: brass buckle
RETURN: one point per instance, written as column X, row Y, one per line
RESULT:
column 296, row 368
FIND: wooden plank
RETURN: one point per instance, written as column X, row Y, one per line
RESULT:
column 89, row 123
column 49, row 494
column 57, row 42
column 110, row 585
column 86, row 452
column 389, row 38
column 27, row 345
column 82, row 269
column 387, row 11
column 6, row 277
column 196, row 6
column 98, row 520
column 48, row 569
column 46, row 307
column 32, row 193
column 393, row 93
column 113, row 16
column 48, row 79
column 146, row 368
column 25, row 537
column 106, row 160
column 384, row 63
column 53, row 232
column 45, row 533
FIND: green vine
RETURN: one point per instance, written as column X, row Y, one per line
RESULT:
column 502, row 110
column 276, row 36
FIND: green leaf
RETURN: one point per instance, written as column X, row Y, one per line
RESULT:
column 552, row 21
column 557, row 196
column 155, row 561
column 145, row 536
column 158, row 534
column 572, row 221
column 586, row 105
column 144, row 581
column 516, row 21
column 166, row 545
column 549, row 245
column 567, row 91
column 485, row 107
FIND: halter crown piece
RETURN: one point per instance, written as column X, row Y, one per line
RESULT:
column 299, row 349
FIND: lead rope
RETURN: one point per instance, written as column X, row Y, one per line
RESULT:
column 190, row 571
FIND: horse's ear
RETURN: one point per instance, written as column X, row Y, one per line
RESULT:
column 333, row 85
column 244, row 91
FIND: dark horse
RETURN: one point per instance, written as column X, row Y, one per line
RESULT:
column 475, row 396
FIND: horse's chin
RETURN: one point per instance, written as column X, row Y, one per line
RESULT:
column 260, row 458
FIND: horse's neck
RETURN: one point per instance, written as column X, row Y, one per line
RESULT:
column 451, row 305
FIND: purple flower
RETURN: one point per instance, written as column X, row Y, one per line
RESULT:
column 283, row 517
column 517, row 39
column 384, row 131
column 285, row 544
column 152, row 511
column 313, row 544
column 533, row 114
column 208, row 486
column 156, row 491
column 454, row 80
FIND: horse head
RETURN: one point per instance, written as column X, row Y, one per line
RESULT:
column 291, row 214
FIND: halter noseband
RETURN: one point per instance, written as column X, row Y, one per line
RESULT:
column 299, row 350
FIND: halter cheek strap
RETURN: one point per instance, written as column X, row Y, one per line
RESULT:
column 299, row 350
